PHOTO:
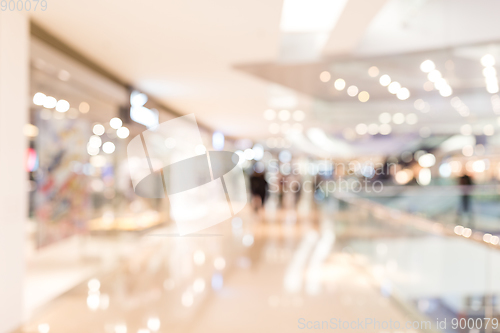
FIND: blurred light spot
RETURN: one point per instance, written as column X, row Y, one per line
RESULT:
column 218, row 141
column 84, row 107
column 217, row 281
column 385, row 129
column 404, row 176
column 98, row 129
column 479, row 166
column 199, row 285
column 200, row 150
column 339, row 84
column 284, row 115
column 236, row 222
column 95, row 141
column 489, row 130
column 115, row 123
column 434, row 75
column 219, row 263
column 403, row 94
column 458, row 230
column 62, row 106
column 187, row 299
column 269, row 114
column 363, row 96
column 361, row 129
column 373, row 71
column 39, row 98
column 385, row 118
column 249, row 154
column 467, row 233
column 427, row 160
column 274, row 128
column 94, row 285
column 43, row 328
column 352, row 91
column 385, row 80
column 247, row 240
column 373, row 129
column 285, row 156
column 427, row 66
column 445, row 170
column 467, row 150
column 199, row 257
column 325, row 76
column 30, row 130
column 108, row 147
column 123, row 132
column 50, row 102
column 488, row 60
column 121, row 328
column 398, row 118
column 424, row 176
column 394, row 87
column 299, row 115
column 93, row 301
column 154, row 324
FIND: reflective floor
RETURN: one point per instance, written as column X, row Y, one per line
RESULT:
column 281, row 270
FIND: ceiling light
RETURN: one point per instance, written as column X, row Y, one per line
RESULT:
column 394, row 87
column 299, row 115
column 434, row 75
column 446, row 91
column 398, row 118
column 373, row 71
column 489, row 71
column 373, row 129
column 427, row 66
column 440, row 83
column 361, row 129
column 363, row 96
column 339, row 84
column 284, row 115
column 488, row 60
column 492, row 88
column 269, row 114
column 39, row 98
column 49, row 102
column 310, row 15
column 352, row 91
column 122, row 132
column 115, row 123
column 98, row 129
column 108, row 147
column 385, row 129
column 325, row 76
column 62, row 106
column 427, row 160
column 385, row 118
column 84, row 107
column 274, row 128
column 403, row 94
column 385, row 80
column 411, row 119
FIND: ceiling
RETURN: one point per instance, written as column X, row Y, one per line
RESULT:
column 224, row 60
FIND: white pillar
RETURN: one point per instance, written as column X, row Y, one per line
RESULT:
column 14, row 71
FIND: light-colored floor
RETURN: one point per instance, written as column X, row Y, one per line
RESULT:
column 280, row 271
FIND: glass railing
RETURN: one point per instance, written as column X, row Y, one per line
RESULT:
column 446, row 274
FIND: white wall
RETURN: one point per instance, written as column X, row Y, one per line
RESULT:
column 14, row 39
